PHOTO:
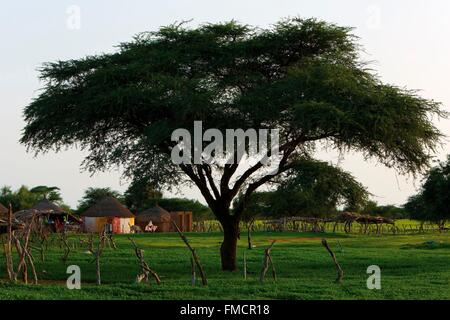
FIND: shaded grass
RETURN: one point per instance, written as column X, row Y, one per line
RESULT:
column 305, row 270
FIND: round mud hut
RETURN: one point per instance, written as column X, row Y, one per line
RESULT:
column 108, row 213
column 157, row 217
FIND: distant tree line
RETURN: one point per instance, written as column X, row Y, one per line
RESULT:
column 25, row 198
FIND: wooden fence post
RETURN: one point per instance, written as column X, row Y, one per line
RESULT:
column 267, row 260
column 194, row 254
column 333, row 256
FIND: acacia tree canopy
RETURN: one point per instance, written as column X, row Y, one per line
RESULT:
column 301, row 76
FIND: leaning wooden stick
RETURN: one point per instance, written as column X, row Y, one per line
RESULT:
column 194, row 254
column 66, row 246
column 111, row 241
column 24, row 254
column 7, row 252
column 8, row 248
column 267, row 260
column 145, row 269
column 340, row 272
column 274, row 272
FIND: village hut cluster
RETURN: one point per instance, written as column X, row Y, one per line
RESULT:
column 110, row 215
column 107, row 215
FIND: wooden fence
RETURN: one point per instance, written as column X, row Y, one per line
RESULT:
column 321, row 226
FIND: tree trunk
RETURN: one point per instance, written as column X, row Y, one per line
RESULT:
column 229, row 244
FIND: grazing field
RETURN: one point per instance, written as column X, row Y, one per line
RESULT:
column 413, row 267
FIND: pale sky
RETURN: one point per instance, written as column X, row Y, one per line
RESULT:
column 408, row 40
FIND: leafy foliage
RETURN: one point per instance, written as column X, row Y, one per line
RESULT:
column 388, row 211
column 301, row 76
column 316, row 188
column 416, row 209
column 24, row 198
column 260, row 205
column 50, row 193
column 312, row 188
column 432, row 203
column 200, row 212
column 140, row 196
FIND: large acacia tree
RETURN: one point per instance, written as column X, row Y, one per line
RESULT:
column 303, row 77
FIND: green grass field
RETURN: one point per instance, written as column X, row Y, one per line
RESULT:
column 411, row 269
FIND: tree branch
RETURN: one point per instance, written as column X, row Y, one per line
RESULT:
column 229, row 170
column 207, row 169
column 288, row 148
column 187, row 169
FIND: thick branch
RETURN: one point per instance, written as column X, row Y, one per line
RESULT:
column 208, row 172
column 200, row 184
column 288, row 149
column 229, row 170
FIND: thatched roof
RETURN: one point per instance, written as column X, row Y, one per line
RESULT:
column 3, row 211
column 108, row 207
column 26, row 214
column 15, row 225
column 46, row 206
column 155, row 214
column 42, row 208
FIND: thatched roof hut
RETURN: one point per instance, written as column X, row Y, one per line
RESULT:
column 109, row 213
column 49, row 214
column 108, row 207
column 156, row 216
column 46, row 206
column 3, row 211
column 42, row 208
